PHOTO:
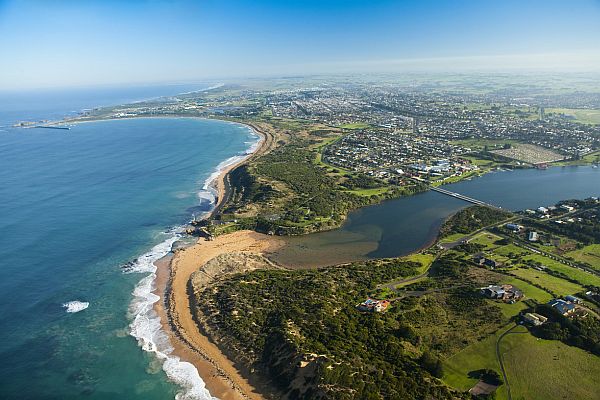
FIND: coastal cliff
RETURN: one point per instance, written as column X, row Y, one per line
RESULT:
column 300, row 332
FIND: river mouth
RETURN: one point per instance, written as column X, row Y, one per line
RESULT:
column 402, row 226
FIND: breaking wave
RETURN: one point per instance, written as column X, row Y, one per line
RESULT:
column 147, row 329
column 146, row 325
column 75, row 306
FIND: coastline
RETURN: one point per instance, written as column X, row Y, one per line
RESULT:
column 222, row 377
column 218, row 374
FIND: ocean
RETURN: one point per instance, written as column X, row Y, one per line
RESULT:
column 83, row 215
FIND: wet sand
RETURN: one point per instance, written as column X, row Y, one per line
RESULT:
column 222, row 378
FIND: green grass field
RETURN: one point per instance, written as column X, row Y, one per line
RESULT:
column 593, row 157
column 585, row 278
column 425, row 259
column 477, row 356
column 356, row 125
column 454, row 179
column 511, row 249
column 487, row 239
column 589, row 254
column 537, row 369
column 540, row 369
column 510, row 310
column 557, row 285
column 580, row 115
column 452, row 238
column 531, row 292
column 369, row 192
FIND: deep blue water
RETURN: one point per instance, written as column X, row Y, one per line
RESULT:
column 74, row 207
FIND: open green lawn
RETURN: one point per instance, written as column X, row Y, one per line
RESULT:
column 511, row 249
column 536, row 368
column 530, row 291
column 581, row 115
column 425, row 259
column 487, row 239
column 483, row 164
column 454, row 179
column 593, row 157
column 356, row 125
column 585, row 278
column 452, row 238
column 510, row 310
column 540, row 369
column 369, row 192
column 557, row 285
column 589, row 254
column 476, row 356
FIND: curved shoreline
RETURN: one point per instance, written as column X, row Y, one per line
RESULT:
column 221, row 377
column 187, row 347
column 220, row 374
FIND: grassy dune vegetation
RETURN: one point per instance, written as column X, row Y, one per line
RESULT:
column 436, row 331
column 347, row 353
column 471, row 219
column 321, row 345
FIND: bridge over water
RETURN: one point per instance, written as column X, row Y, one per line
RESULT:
column 462, row 197
column 457, row 195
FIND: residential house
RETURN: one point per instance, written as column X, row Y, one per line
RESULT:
column 533, row 237
column 563, row 307
column 514, row 227
column 372, row 305
column 507, row 293
column 573, row 299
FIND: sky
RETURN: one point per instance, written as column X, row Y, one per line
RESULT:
column 64, row 43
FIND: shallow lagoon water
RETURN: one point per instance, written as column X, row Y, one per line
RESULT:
column 401, row 226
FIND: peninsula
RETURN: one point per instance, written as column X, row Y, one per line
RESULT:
column 429, row 324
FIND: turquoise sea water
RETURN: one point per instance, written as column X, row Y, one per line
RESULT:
column 75, row 207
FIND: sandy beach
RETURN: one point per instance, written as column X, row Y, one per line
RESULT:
column 222, row 378
column 221, row 183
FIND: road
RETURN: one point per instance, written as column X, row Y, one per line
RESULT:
column 467, row 238
column 501, row 362
column 551, row 256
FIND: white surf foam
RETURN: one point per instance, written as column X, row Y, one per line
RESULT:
column 146, row 326
column 209, row 190
column 75, row 306
column 147, row 329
